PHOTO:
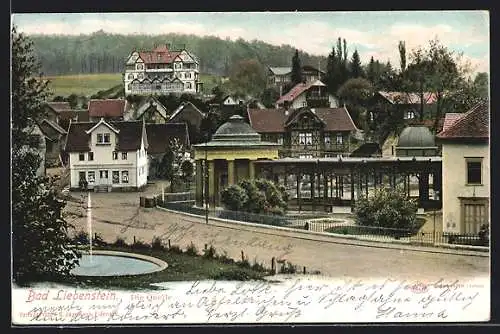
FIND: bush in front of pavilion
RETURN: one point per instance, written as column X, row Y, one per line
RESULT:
column 260, row 196
column 388, row 211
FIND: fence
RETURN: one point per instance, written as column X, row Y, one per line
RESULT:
column 327, row 224
column 410, row 235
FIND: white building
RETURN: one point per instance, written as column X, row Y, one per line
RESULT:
column 109, row 155
column 162, row 71
column 466, row 170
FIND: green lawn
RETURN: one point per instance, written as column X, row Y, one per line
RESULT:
column 83, row 84
column 181, row 267
column 88, row 84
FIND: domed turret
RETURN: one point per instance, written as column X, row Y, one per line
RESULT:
column 416, row 141
column 236, row 129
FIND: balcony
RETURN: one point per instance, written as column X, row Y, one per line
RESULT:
column 156, row 70
column 315, row 101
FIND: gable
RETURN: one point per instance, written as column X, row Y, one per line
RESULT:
column 304, row 117
column 185, row 56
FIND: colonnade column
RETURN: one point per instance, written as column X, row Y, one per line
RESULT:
column 211, row 183
column 199, row 183
column 230, row 172
column 251, row 170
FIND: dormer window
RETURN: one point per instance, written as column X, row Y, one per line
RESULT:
column 103, row 139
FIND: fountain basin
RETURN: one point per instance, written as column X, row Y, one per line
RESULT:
column 114, row 263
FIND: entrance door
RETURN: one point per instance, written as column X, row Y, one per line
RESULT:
column 475, row 214
column 103, row 177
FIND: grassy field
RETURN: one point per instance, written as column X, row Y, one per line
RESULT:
column 83, row 84
column 88, row 84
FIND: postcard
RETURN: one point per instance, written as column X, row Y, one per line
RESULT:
column 250, row 168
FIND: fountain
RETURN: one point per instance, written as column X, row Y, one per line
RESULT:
column 113, row 263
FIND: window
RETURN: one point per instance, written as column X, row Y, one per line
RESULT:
column 305, row 138
column 116, row 176
column 91, row 176
column 140, row 76
column 327, row 139
column 124, row 155
column 130, row 76
column 187, row 75
column 304, row 104
column 81, row 157
column 340, row 139
column 81, row 176
column 115, row 155
column 280, row 140
column 124, row 176
column 140, row 66
column 474, row 167
column 129, row 86
column 188, row 85
column 371, row 116
column 410, row 114
column 91, row 156
column 178, row 66
column 158, row 87
column 103, row 139
column 103, row 174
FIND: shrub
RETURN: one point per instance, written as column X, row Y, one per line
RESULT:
column 120, row 242
column 210, row 252
column 233, row 274
column 191, row 250
column 81, row 238
column 225, row 259
column 387, row 207
column 288, row 268
column 244, row 263
column 140, row 245
column 234, row 197
column 175, row 249
column 258, row 266
column 157, row 244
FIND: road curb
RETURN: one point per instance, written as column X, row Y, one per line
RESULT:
column 349, row 239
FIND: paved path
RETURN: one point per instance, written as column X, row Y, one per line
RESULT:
column 118, row 215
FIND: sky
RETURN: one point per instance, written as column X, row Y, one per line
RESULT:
column 372, row 33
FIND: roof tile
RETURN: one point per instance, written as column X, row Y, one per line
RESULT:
column 474, row 124
column 106, row 108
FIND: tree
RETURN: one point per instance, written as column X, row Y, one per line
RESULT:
column 187, row 170
column 433, row 70
column 248, row 76
column 356, row 93
column 297, row 76
column 170, row 167
column 270, row 96
column 387, row 207
column 41, row 245
column 481, row 84
column 402, row 55
column 371, row 73
column 355, row 66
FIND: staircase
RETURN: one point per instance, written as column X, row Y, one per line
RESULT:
column 101, row 188
column 390, row 141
